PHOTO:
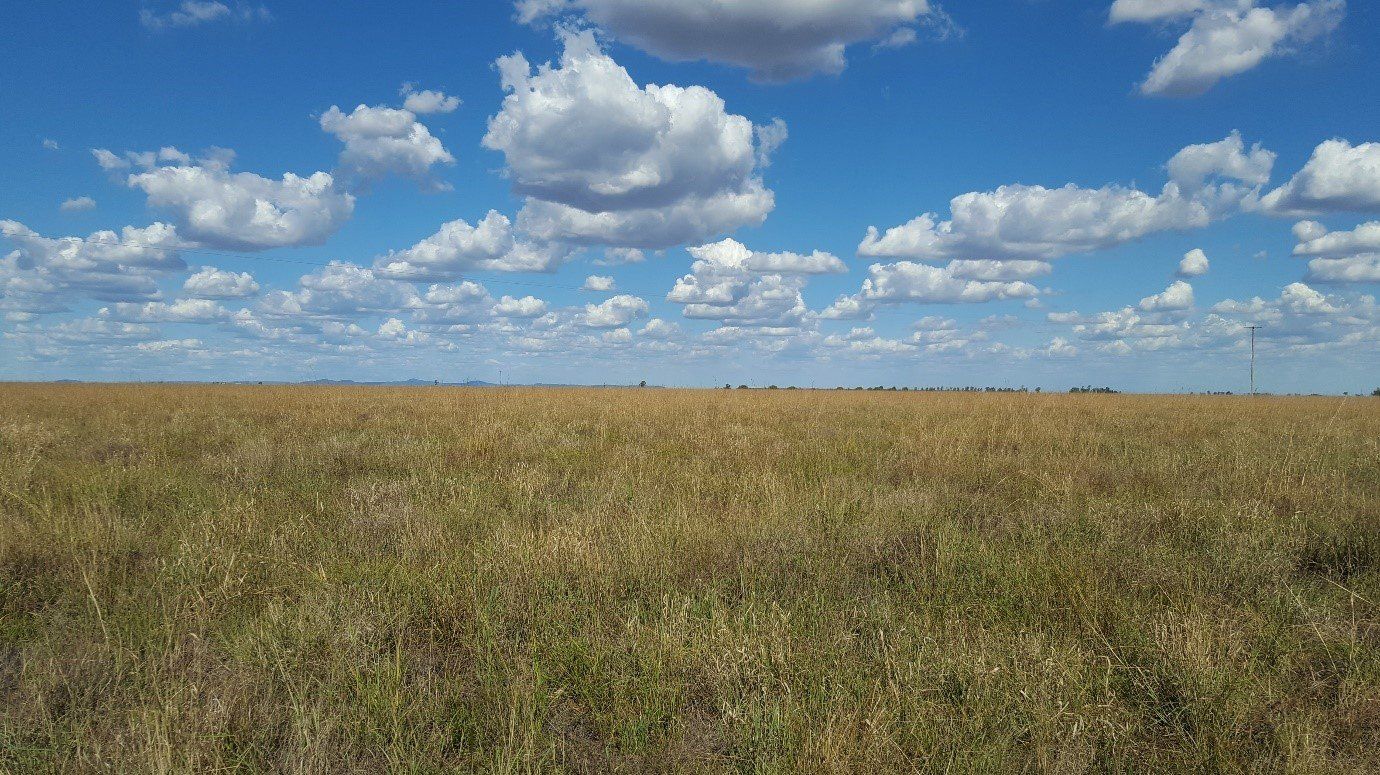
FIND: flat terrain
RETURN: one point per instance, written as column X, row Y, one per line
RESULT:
column 353, row 579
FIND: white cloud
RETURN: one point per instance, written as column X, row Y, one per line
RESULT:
column 1019, row 221
column 1339, row 177
column 463, row 293
column 108, row 160
column 1227, row 41
column 525, row 307
column 179, row 311
column 728, row 281
column 1353, row 269
column 1193, row 166
column 1302, row 317
column 1059, row 347
column 690, row 220
column 621, row 256
column 426, row 101
column 934, row 323
column 1340, row 256
column 862, row 342
column 1315, row 240
column 599, row 283
column 1306, row 231
column 990, row 270
column 113, row 162
column 770, row 300
column 188, row 14
column 106, row 265
column 584, row 134
column 340, row 290
column 194, row 13
column 243, row 211
column 770, row 137
column 78, row 204
column 613, row 313
column 458, row 247
column 902, row 37
column 716, row 277
column 165, row 345
column 51, row 144
column 775, row 40
column 1177, row 297
column 94, row 330
column 617, row 336
column 1034, row 222
column 906, row 281
column 462, row 302
column 212, row 283
column 605, row 161
column 381, row 141
column 817, row 262
column 1193, row 264
column 1296, row 298
column 1153, row 10
column 849, row 308
column 657, row 328
column 910, row 282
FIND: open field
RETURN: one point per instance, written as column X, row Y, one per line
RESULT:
column 348, row 579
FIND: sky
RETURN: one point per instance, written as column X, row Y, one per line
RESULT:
column 1037, row 193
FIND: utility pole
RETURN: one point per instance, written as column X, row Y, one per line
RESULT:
column 1253, row 330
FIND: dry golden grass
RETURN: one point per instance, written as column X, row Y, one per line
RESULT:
column 330, row 580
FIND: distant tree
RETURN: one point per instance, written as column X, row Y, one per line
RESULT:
column 772, row 387
column 742, row 387
column 643, row 383
column 1376, row 392
column 728, row 386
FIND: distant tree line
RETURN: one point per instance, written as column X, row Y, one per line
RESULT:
column 967, row 389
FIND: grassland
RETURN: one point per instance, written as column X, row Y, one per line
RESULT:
column 334, row 580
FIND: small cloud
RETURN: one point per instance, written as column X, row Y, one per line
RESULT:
column 426, row 101
column 621, row 256
column 78, row 204
column 903, row 36
column 769, row 138
column 1059, row 347
column 1177, row 297
column 1194, row 264
column 598, row 283
column 51, row 144
column 194, row 13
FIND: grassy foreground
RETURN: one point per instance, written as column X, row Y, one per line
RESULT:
column 331, row 580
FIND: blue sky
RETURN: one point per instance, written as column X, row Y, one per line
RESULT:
column 512, row 194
